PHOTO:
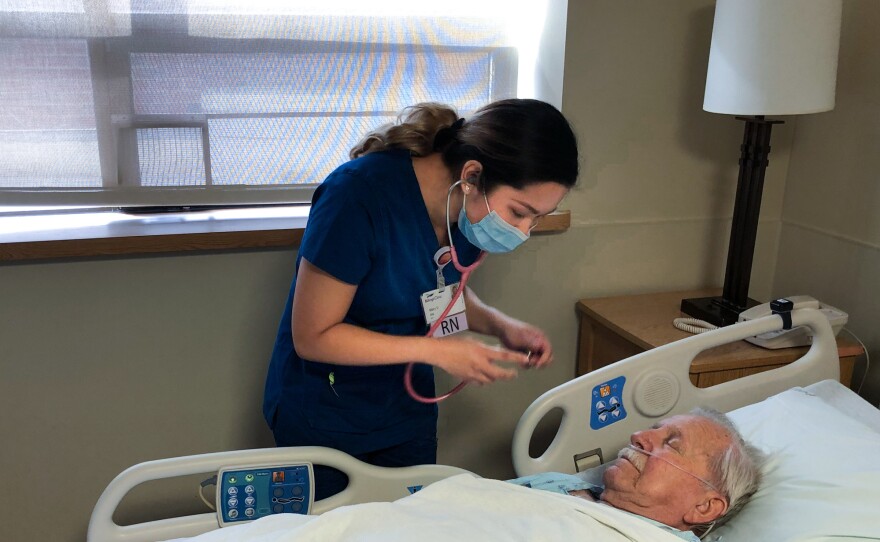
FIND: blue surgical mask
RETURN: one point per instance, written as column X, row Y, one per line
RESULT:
column 492, row 233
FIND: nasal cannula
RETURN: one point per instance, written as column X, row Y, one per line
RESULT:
column 465, row 275
column 670, row 463
column 689, row 473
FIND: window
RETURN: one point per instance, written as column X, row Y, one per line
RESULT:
column 212, row 102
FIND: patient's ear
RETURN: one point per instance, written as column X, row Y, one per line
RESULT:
column 707, row 510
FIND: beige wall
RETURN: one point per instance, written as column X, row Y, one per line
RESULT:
column 652, row 211
column 830, row 243
column 634, row 79
column 109, row 362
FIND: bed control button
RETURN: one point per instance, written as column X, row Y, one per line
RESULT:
column 249, row 512
column 232, row 503
column 249, row 501
column 232, row 490
column 297, row 491
column 296, row 507
column 233, row 513
column 600, row 405
column 278, row 508
column 279, row 491
column 249, row 489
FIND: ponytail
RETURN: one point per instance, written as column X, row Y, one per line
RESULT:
column 414, row 130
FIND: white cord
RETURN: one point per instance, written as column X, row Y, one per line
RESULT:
column 202, row 494
column 692, row 325
column 867, row 360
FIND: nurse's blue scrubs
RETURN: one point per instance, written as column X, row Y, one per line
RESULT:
column 368, row 226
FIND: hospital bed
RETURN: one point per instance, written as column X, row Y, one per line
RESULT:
column 823, row 480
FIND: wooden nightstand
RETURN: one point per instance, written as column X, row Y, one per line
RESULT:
column 614, row 328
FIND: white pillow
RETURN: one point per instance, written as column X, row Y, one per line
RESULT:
column 823, row 477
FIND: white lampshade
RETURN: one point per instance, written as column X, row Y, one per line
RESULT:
column 773, row 57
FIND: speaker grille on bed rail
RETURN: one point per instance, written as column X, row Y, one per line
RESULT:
column 656, row 392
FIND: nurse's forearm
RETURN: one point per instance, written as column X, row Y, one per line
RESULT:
column 346, row 344
column 318, row 311
column 464, row 358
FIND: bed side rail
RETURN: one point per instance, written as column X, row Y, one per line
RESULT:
column 657, row 385
column 367, row 483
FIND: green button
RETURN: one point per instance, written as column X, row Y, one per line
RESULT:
column 232, row 479
column 249, row 477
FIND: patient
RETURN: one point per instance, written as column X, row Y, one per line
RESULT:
column 687, row 474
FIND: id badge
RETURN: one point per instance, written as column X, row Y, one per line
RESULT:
column 435, row 302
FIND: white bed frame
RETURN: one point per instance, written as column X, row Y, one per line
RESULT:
column 367, row 483
column 657, row 386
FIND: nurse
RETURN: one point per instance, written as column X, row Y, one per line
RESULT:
column 374, row 244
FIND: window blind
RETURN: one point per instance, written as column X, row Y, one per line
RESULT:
column 207, row 102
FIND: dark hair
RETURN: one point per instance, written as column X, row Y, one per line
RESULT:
column 517, row 141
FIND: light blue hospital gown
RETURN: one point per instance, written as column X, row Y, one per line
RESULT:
column 564, row 483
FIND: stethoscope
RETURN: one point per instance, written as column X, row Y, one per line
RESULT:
column 465, row 275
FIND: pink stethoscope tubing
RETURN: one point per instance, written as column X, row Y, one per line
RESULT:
column 407, row 376
column 465, row 275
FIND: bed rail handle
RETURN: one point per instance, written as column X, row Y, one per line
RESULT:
column 366, row 483
column 522, row 436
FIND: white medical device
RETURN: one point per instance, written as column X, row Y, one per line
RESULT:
column 249, row 492
column 796, row 336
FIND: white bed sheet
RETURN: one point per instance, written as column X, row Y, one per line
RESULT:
column 462, row 508
column 846, row 402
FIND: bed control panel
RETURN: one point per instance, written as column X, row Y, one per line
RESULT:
column 607, row 403
column 246, row 493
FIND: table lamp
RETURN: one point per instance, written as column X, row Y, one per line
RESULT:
column 768, row 57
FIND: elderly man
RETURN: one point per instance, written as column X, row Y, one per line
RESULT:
column 686, row 474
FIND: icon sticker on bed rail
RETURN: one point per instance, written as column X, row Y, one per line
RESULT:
column 607, row 403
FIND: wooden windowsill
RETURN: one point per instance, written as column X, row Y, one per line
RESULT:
column 114, row 234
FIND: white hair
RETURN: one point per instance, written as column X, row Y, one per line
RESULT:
column 737, row 470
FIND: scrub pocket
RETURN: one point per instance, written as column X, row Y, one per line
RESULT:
column 356, row 400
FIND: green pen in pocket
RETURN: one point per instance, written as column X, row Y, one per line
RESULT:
column 332, row 379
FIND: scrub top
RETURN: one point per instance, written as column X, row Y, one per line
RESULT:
column 368, row 226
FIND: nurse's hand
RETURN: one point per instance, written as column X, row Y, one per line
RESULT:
column 518, row 335
column 473, row 361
